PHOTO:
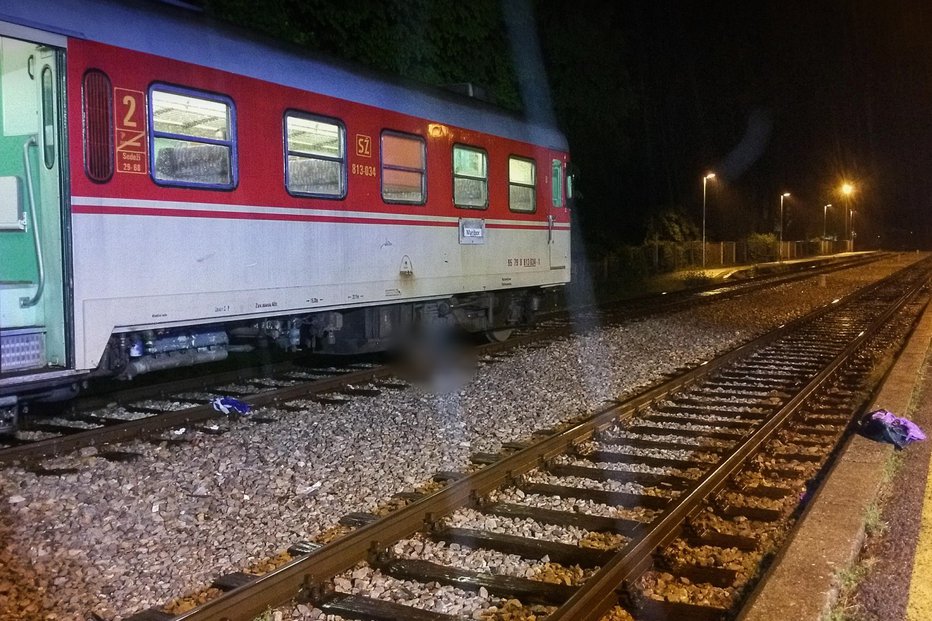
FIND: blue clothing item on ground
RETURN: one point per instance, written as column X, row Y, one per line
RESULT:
column 884, row 426
column 227, row 405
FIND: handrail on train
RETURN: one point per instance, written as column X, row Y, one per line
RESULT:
column 25, row 302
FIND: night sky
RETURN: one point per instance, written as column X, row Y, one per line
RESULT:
column 786, row 96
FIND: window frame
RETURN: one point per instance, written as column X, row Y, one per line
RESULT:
column 109, row 129
column 232, row 142
column 344, row 172
column 474, row 149
column 382, row 167
column 533, row 186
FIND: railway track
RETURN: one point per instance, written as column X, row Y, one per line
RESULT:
column 151, row 411
column 719, row 458
column 182, row 405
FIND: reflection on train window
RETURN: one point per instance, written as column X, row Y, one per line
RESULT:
column 193, row 138
column 98, row 126
column 404, row 167
column 470, row 178
column 522, row 179
column 556, row 179
column 316, row 156
column 49, row 128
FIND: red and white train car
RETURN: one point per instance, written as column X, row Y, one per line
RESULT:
column 170, row 189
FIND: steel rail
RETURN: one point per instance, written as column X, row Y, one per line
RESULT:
column 179, row 418
column 308, row 572
column 601, row 592
column 722, row 290
column 140, row 390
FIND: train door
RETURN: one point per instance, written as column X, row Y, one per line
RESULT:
column 559, row 238
column 33, row 335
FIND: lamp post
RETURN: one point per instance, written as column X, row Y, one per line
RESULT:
column 705, row 180
column 847, row 189
column 780, row 247
column 825, row 221
column 853, row 234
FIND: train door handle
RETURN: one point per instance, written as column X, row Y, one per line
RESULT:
column 25, row 302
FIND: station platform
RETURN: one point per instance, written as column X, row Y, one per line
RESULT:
column 736, row 272
column 863, row 548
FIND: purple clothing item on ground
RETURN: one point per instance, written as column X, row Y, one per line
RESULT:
column 884, row 426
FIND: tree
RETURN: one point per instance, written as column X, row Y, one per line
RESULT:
column 671, row 224
column 434, row 42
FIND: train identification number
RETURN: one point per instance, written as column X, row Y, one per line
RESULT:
column 364, row 170
column 524, row 262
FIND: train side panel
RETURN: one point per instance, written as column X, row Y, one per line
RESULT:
column 150, row 256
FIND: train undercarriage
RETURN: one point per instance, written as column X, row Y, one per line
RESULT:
column 342, row 332
column 347, row 332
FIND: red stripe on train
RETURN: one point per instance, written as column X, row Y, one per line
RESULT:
column 235, row 215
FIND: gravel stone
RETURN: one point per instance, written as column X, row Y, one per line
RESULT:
column 116, row 538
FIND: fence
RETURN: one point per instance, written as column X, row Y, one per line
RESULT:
column 661, row 257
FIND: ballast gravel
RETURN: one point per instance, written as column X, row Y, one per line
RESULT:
column 115, row 538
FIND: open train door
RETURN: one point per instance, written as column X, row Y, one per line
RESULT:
column 559, row 234
column 34, row 339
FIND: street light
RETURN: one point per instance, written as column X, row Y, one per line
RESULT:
column 705, row 180
column 825, row 221
column 780, row 247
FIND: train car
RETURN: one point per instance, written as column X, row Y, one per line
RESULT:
column 172, row 190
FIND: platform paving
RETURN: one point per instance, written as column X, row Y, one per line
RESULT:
column 803, row 582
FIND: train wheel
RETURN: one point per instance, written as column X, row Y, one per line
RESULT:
column 498, row 336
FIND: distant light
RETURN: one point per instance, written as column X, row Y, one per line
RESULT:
column 836, row 300
column 847, row 189
column 786, row 194
column 711, row 175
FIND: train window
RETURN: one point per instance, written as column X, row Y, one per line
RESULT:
column 522, row 184
column 470, row 178
column 193, row 136
column 48, row 117
column 404, row 168
column 98, row 126
column 556, row 187
column 316, row 161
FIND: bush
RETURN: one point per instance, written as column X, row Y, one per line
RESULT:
column 762, row 247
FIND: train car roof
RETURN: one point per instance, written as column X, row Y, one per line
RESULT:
column 187, row 36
